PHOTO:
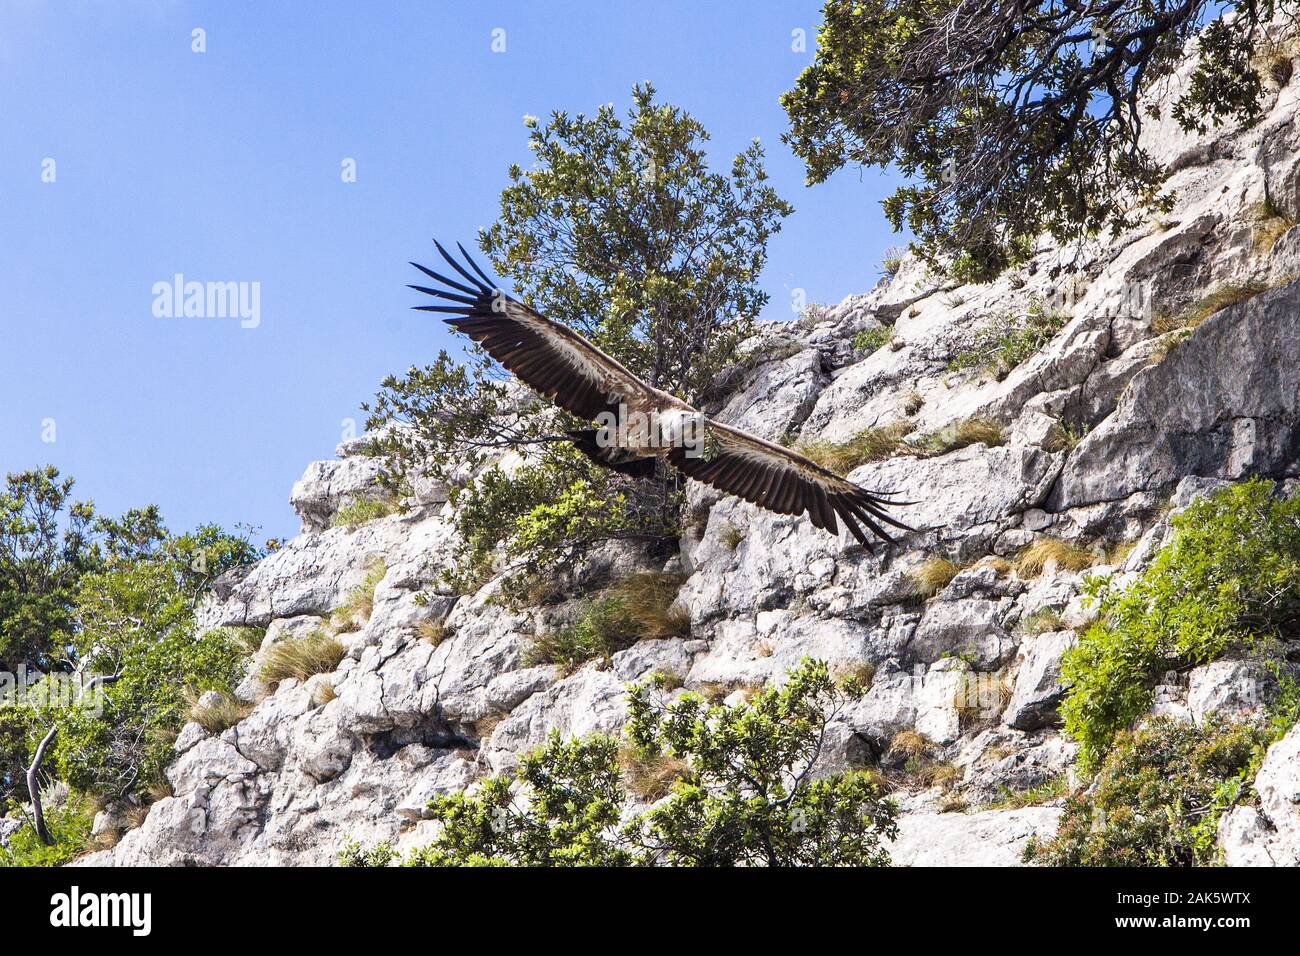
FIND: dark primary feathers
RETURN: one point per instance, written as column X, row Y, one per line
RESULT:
column 561, row 365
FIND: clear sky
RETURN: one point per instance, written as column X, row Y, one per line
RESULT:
column 227, row 165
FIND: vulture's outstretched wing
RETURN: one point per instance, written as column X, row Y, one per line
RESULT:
column 549, row 358
column 786, row 482
column 557, row 362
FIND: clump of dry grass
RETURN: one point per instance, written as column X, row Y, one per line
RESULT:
column 912, row 403
column 1117, row 554
column 940, row 774
column 638, row 607
column 432, row 632
column 1062, row 438
column 324, row 693
column 649, row 598
column 1001, row 566
column 908, row 744
column 970, row 431
column 933, row 575
column 216, row 716
column 650, row 776
column 360, row 601
column 1270, row 225
column 1043, row 621
column 857, row 677
column 730, row 536
column 318, row 652
column 1068, row 557
column 871, row 444
column 1217, row 299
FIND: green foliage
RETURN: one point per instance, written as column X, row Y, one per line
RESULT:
column 1157, row 797
column 354, row 854
column 69, row 825
column 870, row 340
column 1039, row 132
column 743, row 796
column 638, row 607
column 539, row 520
column 361, row 510
column 619, row 230
column 45, row 546
column 1230, row 578
column 1008, row 340
column 130, row 622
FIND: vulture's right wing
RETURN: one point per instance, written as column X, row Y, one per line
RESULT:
column 548, row 357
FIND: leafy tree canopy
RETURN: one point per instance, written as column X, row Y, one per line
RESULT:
column 1014, row 119
column 746, row 794
column 618, row 229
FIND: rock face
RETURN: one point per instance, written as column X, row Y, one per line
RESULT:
column 435, row 691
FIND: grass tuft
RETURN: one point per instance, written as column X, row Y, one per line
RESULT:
column 358, row 511
column 1217, row 299
column 360, row 601
column 871, row 444
column 933, row 575
column 641, row 606
column 970, row 431
column 216, row 717
column 650, row 776
column 1068, row 557
column 318, row 652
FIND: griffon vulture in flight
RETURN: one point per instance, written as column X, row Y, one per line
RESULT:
column 555, row 361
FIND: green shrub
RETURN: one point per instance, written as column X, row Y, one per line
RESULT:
column 1157, row 798
column 361, row 510
column 354, row 854
column 1009, row 340
column 635, row 608
column 870, row 340
column 1230, row 577
column 69, row 825
column 742, row 798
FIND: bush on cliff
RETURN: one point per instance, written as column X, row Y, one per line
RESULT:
column 1230, row 578
column 744, row 795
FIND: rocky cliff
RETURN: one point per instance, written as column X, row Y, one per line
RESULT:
column 1123, row 415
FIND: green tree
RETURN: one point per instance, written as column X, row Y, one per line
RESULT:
column 1229, row 579
column 1012, row 120
column 46, row 543
column 620, row 230
column 747, row 795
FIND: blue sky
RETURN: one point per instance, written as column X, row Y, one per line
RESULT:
column 225, row 166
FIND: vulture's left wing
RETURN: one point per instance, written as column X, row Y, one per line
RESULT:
column 548, row 357
column 784, row 481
